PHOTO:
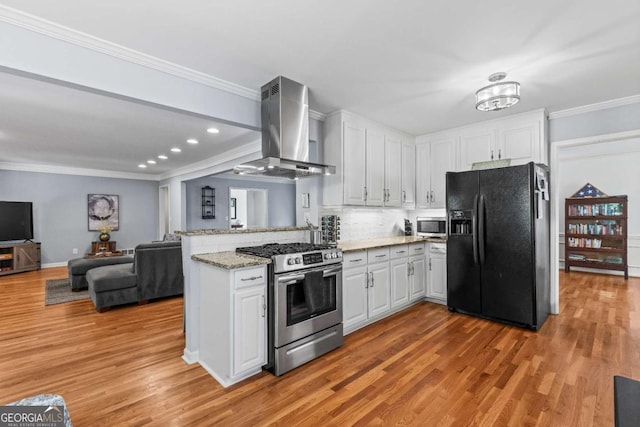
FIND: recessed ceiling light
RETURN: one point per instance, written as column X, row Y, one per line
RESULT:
column 192, row 141
column 162, row 157
column 142, row 165
column 213, row 130
column 270, row 167
column 176, row 150
column 151, row 162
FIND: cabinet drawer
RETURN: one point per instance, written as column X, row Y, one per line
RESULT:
column 378, row 255
column 416, row 249
column 354, row 259
column 438, row 248
column 398, row 251
column 250, row 277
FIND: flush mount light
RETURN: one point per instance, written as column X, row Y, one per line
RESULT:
column 176, row 150
column 142, row 165
column 151, row 162
column 162, row 157
column 192, row 141
column 499, row 95
column 213, row 130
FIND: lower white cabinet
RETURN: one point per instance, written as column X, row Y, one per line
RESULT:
column 437, row 273
column 233, row 322
column 378, row 282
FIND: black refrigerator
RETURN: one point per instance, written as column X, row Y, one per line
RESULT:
column 498, row 264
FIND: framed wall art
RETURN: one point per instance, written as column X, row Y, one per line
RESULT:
column 103, row 212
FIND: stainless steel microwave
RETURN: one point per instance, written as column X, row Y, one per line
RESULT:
column 431, row 227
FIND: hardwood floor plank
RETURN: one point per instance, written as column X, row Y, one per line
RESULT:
column 423, row 366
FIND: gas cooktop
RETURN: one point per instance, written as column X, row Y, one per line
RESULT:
column 295, row 256
column 271, row 249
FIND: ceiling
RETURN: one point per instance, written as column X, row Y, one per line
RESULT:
column 413, row 65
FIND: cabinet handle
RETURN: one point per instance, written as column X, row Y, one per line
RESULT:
column 251, row 278
column 429, row 264
column 381, row 256
column 355, row 260
column 491, row 154
column 499, row 154
column 365, row 194
column 388, row 194
column 404, row 196
column 432, row 198
column 371, row 286
column 400, row 252
column 264, row 307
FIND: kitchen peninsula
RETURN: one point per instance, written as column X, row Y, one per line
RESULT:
column 226, row 292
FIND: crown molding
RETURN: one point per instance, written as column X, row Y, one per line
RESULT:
column 66, row 170
column 60, row 32
column 316, row 115
column 594, row 107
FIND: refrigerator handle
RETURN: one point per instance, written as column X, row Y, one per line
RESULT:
column 474, row 229
column 481, row 224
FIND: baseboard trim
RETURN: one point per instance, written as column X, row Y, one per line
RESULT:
column 190, row 357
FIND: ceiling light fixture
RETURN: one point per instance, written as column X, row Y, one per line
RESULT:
column 499, row 95
column 192, row 141
column 213, row 130
column 142, row 165
column 151, row 162
column 162, row 157
column 176, row 150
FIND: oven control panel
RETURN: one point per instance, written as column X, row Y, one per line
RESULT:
column 299, row 261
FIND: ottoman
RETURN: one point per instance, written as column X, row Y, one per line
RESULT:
column 112, row 285
column 78, row 268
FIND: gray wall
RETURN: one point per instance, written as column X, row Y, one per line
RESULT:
column 281, row 200
column 60, row 210
column 600, row 122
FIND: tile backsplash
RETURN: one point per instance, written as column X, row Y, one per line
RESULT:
column 370, row 223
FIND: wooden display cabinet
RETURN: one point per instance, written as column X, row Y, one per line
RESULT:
column 19, row 257
column 596, row 233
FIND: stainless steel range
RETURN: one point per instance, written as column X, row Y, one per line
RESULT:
column 304, row 302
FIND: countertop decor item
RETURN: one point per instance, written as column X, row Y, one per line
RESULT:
column 498, row 95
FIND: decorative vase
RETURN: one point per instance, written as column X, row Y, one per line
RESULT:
column 104, row 237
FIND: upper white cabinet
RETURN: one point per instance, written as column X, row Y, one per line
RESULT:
column 408, row 175
column 368, row 159
column 435, row 156
column 521, row 139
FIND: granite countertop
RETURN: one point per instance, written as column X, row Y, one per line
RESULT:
column 359, row 245
column 235, row 231
column 230, row 260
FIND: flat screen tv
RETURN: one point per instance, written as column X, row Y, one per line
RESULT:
column 16, row 221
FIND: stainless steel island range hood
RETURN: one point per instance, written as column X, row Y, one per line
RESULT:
column 285, row 133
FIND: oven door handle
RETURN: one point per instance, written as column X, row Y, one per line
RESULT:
column 332, row 271
column 289, row 280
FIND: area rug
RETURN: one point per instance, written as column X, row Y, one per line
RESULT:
column 58, row 291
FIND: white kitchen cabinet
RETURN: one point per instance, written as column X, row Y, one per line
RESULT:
column 379, row 294
column 417, row 272
column 355, row 142
column 434, row 158
column 408, row 175
column 249, row 311
column 374, row 168
column 354, row 295
column 521, row 139
column 437, row 273
column 368, row 160
column 233, row 327
column 393, row 171
column 399, row 271
column 366, row 293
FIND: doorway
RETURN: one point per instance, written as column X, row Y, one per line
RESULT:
column 248, row 208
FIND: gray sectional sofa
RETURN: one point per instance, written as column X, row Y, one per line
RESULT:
column 155, row 272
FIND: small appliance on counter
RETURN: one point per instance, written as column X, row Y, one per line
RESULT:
column 408, row 228
column 330, row 226
column 434, row 226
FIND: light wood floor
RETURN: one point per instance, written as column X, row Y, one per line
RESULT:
column 423, row 367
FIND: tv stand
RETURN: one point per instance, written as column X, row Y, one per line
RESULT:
column 19, row 257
